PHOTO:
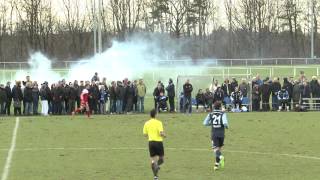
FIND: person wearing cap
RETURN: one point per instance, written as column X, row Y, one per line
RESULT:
column 84, row 103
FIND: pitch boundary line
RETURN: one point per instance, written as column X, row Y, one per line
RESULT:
column 168, row 148
column 7, row 166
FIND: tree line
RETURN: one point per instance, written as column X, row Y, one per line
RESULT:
column 209, row 28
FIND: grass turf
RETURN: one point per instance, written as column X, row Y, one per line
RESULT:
column 258, row 146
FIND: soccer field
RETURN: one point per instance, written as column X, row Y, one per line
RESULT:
column 257, row 146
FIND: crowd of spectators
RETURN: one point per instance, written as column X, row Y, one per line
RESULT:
column 128, row 96
column 63, row 98
column 290, row 95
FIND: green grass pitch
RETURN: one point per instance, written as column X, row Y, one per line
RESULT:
column 257, row 146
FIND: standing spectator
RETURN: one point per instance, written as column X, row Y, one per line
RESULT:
column 95, row 77
column 200, row 99
column 17, row 98
column 275, row 88
column 289, row 87
column 102, row 99
column 94, row 96
column 208, row 99
column 113, row 98
column 156, row 93
column 9, row 98
column 226, row 87
column 233, row 85
column 130, row 91
column 244, row 88
column 187, row 94
column 44, row 100
column 27, row 97
column 265, row 93
column 124, row 102
column 315, row 91
column 49, row 96
column 141, row 92
column 306, row 93
column 258, row 80
column 35, row 97
column 218, row 95
column 72, row 97
column 296, row 94
column 171, row 94
column 120, row 93
column 256, row 97
column 135, row 97
column 213, row 86
column 3, row 99
column 77, row 89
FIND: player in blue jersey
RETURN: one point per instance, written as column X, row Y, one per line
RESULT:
column 218, row 121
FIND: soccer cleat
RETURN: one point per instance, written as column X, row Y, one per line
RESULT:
column 221, row 161
column 155, row 178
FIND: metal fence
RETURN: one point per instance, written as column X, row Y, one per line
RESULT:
column 208, row 62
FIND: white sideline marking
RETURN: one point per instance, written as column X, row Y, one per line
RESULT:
column 169, row 148
column 6, row 168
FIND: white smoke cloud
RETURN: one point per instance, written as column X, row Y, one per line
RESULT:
column 137, row 57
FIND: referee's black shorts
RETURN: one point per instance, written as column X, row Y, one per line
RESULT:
column 156, row 148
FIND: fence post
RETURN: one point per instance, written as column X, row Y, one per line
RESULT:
column 317, row 71
column 231, row 62
column 246, row 62
column 294, row 72
column 291, row 62
column 306, row 61
column 260, row 61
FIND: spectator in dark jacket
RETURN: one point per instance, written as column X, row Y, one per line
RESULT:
column 209, row 98
column 296, row 94
column 233, row 85
column 72, row 97
column 244, row 88
column 120, row 93
column 218, row 94
column 265, row 93
column 306, row 93
column 256, row 98
column 289, row 87
column 156, row 93
column 171, row 94
column 17, row 97
column 187, row 97
column 77, row 89
column 113, row 98
column 200, row 99
column 94, row 97
column 315, row 91
column 275, row 88
column 130, row 91
column 9, row 98
column 27, row 97
column 35, row 97
column 226, row 87
column 44, row 99
column 3, row 99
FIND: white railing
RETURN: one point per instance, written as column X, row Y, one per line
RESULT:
column 209, row 62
